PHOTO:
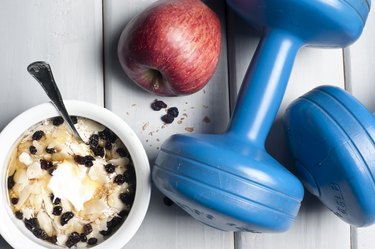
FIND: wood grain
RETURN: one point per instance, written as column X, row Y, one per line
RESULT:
column 67, row 34
column 205, row 111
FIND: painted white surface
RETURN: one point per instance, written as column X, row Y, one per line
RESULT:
column 360, row 78
column 69, row 34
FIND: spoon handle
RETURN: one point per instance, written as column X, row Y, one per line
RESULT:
column 42, row 72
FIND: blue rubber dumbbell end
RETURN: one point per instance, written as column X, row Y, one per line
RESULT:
column 331, row 136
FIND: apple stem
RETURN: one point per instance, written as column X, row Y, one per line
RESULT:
column 264, row 85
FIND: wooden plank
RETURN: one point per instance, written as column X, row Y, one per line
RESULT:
column 67, row 34
column 360, row 81
column 165, row 226
column 316, row 226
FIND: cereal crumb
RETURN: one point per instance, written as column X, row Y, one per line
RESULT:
column 179, row 121
column 189, row 129
column 145, row 126
column 134, row 105
column 205, row 106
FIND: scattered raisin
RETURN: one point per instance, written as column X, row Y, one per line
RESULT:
column 87, row 229
column 40, row 233
column 98, row 151
column 31, row 223
column 14, row 200
column 89, row 161
column 50, row 171
column 129, row 174
column 122, row 152
column 157, row 105
column 167, row 118
column 114, row 222
column 94, row 140
column 173, row 111
column 11, row 182
column 79, row 159
column 123, row 213
column 108, row 145
column 65, row 217
column 57, row 201
column 50, row 150
column 57, row 210
column 52, row 239
column 33, row 150
column 106, row 232
column 119, row 179
column 126, row 198
column 44, row 164
column 38, row 135
column 73, row 239
column 57, row 121
column 92, row 241
column 74, row 119
column 108, row 135
column 168, row 202
column 109, row 168
column 19, row 215
column 83, row 237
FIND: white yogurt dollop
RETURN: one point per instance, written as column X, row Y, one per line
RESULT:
column 70, row 181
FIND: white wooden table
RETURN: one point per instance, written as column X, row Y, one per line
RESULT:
column 79, row 38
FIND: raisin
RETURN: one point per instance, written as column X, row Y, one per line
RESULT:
column 92, row 241
column 114, row 222
column 31, row 223
column 79, row 159
column 168, row 202
column 83, row 237
column 98, row 151
column 108, row 145
column 57, row 121
column 157, row 105
column 33, row 150
column 122, row 152
column 173, row 111
column 109, row 168
column 123, row 213
column 73, row 239
column 57, row 210
column 19, row 215
column 44, row 164
column 14, row 200
column 57, row 201
column 38, row 135
column 50, row 150
column 126, row 198
column 94, row 140
column 40, row 233
column 50, row 171
column 106, row 232
column 52, row 239
column 89, row 161
column 129, row 174
column 87, row 229
column 74, row 119
column 119, row 179
column 167, row 118
column 65, row 217
column 108, row 135
column 11, row 182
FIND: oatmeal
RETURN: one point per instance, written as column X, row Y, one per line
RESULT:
column 67, row 192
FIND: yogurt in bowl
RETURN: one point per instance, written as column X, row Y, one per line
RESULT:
column 59, row 192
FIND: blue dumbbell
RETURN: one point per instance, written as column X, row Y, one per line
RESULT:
column 332, row 137
column 229, row 181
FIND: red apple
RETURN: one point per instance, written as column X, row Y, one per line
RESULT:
column 171, row 48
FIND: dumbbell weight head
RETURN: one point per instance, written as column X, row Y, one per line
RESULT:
column 333, row 23
column 332, row 140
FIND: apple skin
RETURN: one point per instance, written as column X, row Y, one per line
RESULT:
column 171, row 48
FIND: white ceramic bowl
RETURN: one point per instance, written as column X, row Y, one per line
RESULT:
column 14, row 230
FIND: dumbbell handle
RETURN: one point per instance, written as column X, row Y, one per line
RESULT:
column 264, row 85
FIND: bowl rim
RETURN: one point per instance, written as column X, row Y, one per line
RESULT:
column 12, row 229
